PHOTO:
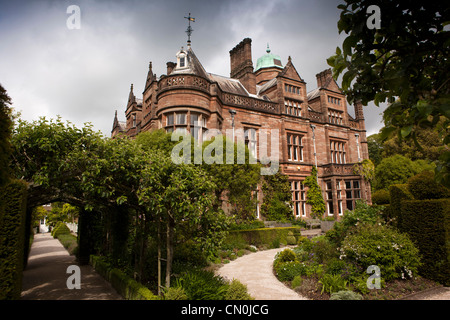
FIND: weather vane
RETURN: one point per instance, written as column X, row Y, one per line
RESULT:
column 189, row 28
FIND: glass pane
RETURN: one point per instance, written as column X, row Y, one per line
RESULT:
column 181, row 118
column 348, row 184
column 356, row 184
column 170, row 119
column 349, row 204
column 194, row 119
column 348, row 194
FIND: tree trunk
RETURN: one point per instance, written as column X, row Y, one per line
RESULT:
column 169, row 245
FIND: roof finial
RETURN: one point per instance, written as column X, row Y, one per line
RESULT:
column 189, row 29
column 131, row 88
column 268, row 49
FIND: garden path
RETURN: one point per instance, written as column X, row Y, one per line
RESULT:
column 45, row 276
column 255, row 271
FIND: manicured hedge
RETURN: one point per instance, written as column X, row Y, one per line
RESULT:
column 428, row 224
column 13, row 199
column 60, row 228
column 125, row 286
column 263, row 237
column 398, row 192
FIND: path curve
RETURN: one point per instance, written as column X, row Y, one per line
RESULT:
column 255, row 271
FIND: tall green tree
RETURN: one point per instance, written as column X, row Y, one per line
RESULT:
column 404, row 62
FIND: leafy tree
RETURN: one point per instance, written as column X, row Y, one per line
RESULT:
column 5, row 134
column 365, row 169
column 277, row 203
column 178, row 196
column 397, row 169
column 314, row 194
column 235, row 182
column 375, row 148
column 404, row 63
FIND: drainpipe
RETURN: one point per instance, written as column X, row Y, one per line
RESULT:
column 314, row 143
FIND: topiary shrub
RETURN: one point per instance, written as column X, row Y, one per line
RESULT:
column 423, row 187
column 346, row 295
column 60, row 229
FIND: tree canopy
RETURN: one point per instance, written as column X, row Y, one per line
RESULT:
column 405, row 62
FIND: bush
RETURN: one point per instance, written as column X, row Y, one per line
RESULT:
column 270, row 237
column 203, row 285
column 237, row 291
column 332, row 283
column 393, row 252
column 285, row 256
column 296, row 282
column 363, row 213
column 423, row 186
column 124, row 285
column 287, row 271
column 335, row 266
column 345, row 295
column 380, row 197
column 175, row 293
column 59, row 229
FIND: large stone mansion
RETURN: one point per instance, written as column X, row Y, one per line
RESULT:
column 315, row 127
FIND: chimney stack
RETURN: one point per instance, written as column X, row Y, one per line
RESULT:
column 241, row 65
column 170, row 67
column 323, row 78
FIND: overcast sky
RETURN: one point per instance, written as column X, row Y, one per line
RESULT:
column 85, row 74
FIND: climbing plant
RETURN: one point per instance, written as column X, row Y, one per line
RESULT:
column 314, row 195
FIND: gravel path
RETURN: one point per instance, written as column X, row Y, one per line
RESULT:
column 255, row 271
column 45, row 276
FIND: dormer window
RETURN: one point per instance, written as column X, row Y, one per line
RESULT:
column 182, row 62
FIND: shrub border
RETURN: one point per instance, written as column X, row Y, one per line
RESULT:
column 127, row 287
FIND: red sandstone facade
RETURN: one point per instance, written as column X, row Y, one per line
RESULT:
column 272, row 97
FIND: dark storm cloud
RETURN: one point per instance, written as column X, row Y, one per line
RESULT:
column 85, row 75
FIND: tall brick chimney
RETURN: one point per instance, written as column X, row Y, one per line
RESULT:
column 242, row 65
column 323, row 78
column 359, row 113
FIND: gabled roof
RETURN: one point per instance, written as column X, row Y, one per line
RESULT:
column 290, row 72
